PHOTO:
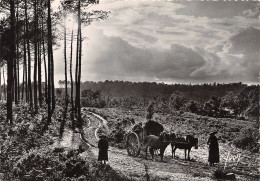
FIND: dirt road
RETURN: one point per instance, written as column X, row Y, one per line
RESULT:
column 139, row 168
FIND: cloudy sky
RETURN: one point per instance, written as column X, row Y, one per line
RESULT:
column 172, row 42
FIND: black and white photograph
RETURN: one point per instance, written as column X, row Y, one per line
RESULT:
column 129, row 90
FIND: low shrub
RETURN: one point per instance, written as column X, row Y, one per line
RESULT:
column 219, row 173
column 51, row 165
column 222, row 174
column 248, row 139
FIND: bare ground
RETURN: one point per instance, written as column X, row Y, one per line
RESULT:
column 141, row 169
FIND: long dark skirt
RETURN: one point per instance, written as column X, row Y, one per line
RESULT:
column 102, row 155
column 213, row 154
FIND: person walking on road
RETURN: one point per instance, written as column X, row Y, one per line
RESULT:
column 213, row 149
column 103, row 149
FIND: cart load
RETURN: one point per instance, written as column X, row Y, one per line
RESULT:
column 153, row 128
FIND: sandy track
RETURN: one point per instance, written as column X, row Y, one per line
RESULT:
column 137, row 168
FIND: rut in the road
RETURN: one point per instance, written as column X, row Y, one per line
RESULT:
column 119, row 159
column 138, row 168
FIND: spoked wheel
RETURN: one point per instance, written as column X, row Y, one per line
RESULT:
column 133, row 145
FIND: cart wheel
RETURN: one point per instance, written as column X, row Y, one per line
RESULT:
column 133, row 145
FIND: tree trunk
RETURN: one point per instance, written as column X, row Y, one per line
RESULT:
column 25, row 71
column 35, row 56
column 45, row 66
column 39, row 73
column 77, row 65
column 71, row 81
column 45, row 73
column 52, row 71
column 79, row 75
column 0, row 84
column 18, row 58
column 39, row 59
column 14, row 72
column 23, row 81
column 4, row 83
column 29, row 58
column 65, row 69
column 49, row 61
column 52, row 80
column 16, row 62
column 10, row 63
column 18, row 77
column 79, row 49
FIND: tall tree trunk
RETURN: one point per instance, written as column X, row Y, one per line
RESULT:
column 18, row 77
column 79, row 49
column 16, row 62
column 39, row 72
column 40, row 55
column 52, row 70
column 45, row 66
column 25, row 70
column 71, row 81
column 23, row 82
column 79, row 75
column 52, row 80
column 76, row 71
column 14, row 71
column 18, row 58
column 10, row 63
column 35, row 56
column 45, row 72
column 65, row 69
column 49, row 61
column 0, row 84
column 29, row 57
column 4, row 83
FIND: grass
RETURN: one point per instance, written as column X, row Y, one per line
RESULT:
column 189, row 123
column 27, row 154
column 31, row 155
column 186, row 123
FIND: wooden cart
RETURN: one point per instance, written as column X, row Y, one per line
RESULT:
column 134, row 142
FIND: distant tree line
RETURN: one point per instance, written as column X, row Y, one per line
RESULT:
column 198, row 92
column 234, row 100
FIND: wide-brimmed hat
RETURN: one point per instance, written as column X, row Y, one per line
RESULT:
column 214, row 132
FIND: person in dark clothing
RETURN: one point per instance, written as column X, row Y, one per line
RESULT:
column 213, row 149
column 103, row 149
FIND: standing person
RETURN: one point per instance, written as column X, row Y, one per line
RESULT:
column 213, row 149
column 103, row 149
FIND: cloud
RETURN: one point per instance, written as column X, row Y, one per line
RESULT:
column 246, row 47
column 114, row 58
column 246, row 41
column 238, row 61
column 212, row 69
column 170, row 32
column 148, row 41
column 252, row 13
column 117, row 59
column 143, row 37
column 160, row 24
column 215, row 9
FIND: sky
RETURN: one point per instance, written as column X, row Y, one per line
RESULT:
column 171, row 42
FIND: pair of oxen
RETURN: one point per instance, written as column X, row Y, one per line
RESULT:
column 159, row 143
